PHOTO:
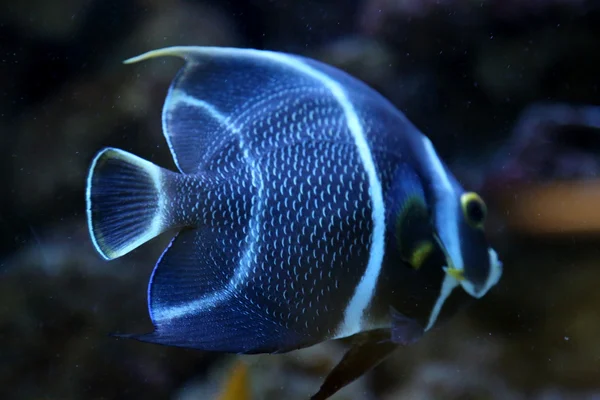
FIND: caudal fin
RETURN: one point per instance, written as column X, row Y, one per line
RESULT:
column 125, row 202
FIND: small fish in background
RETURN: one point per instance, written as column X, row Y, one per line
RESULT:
column 236, row 385
column 308, row 209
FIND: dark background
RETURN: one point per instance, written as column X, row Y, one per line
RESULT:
column 496, row 84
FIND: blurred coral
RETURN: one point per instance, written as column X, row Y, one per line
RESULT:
column 550, row 142
column 377, row 13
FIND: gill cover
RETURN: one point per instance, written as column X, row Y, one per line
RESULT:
column 409, row 215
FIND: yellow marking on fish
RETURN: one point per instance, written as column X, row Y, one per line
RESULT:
column 456, row 273
column 237, row 384
column 421, row 253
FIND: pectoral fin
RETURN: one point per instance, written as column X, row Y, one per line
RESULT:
column 405, row 330
column 366, row 353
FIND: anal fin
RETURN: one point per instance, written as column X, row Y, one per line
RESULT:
column 199, row 297
column 368, row 350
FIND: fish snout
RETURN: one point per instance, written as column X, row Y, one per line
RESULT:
column 479, row 287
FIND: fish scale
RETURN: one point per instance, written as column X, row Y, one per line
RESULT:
column 308, row 208
column 314, row 212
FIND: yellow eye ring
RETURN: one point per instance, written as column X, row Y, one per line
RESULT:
column 474, row 209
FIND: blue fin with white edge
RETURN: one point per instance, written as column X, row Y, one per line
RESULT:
column 199, row 297
column 125, row 202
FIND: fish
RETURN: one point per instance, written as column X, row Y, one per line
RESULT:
column 306, row 208
column 237, row 384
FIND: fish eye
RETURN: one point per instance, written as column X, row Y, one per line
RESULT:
column 474, row 209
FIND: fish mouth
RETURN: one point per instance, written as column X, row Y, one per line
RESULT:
column 456, row 274
column 478, row 290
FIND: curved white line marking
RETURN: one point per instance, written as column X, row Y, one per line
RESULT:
column 493, row 277
column 448, row 286
column 165, row 314
column 450, row 283
column 178, row 96
column 446, row 213
column 353, row 315
column 166, row 114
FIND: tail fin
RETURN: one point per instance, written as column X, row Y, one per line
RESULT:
column 125, row 202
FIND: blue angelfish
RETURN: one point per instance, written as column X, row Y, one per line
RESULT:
column 308, row 208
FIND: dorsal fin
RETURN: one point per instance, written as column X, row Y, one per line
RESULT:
column 198, row 298
column 221, row 95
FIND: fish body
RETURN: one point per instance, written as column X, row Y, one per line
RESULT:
column 309, row 208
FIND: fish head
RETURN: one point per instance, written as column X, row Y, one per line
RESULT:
column 458, row 219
